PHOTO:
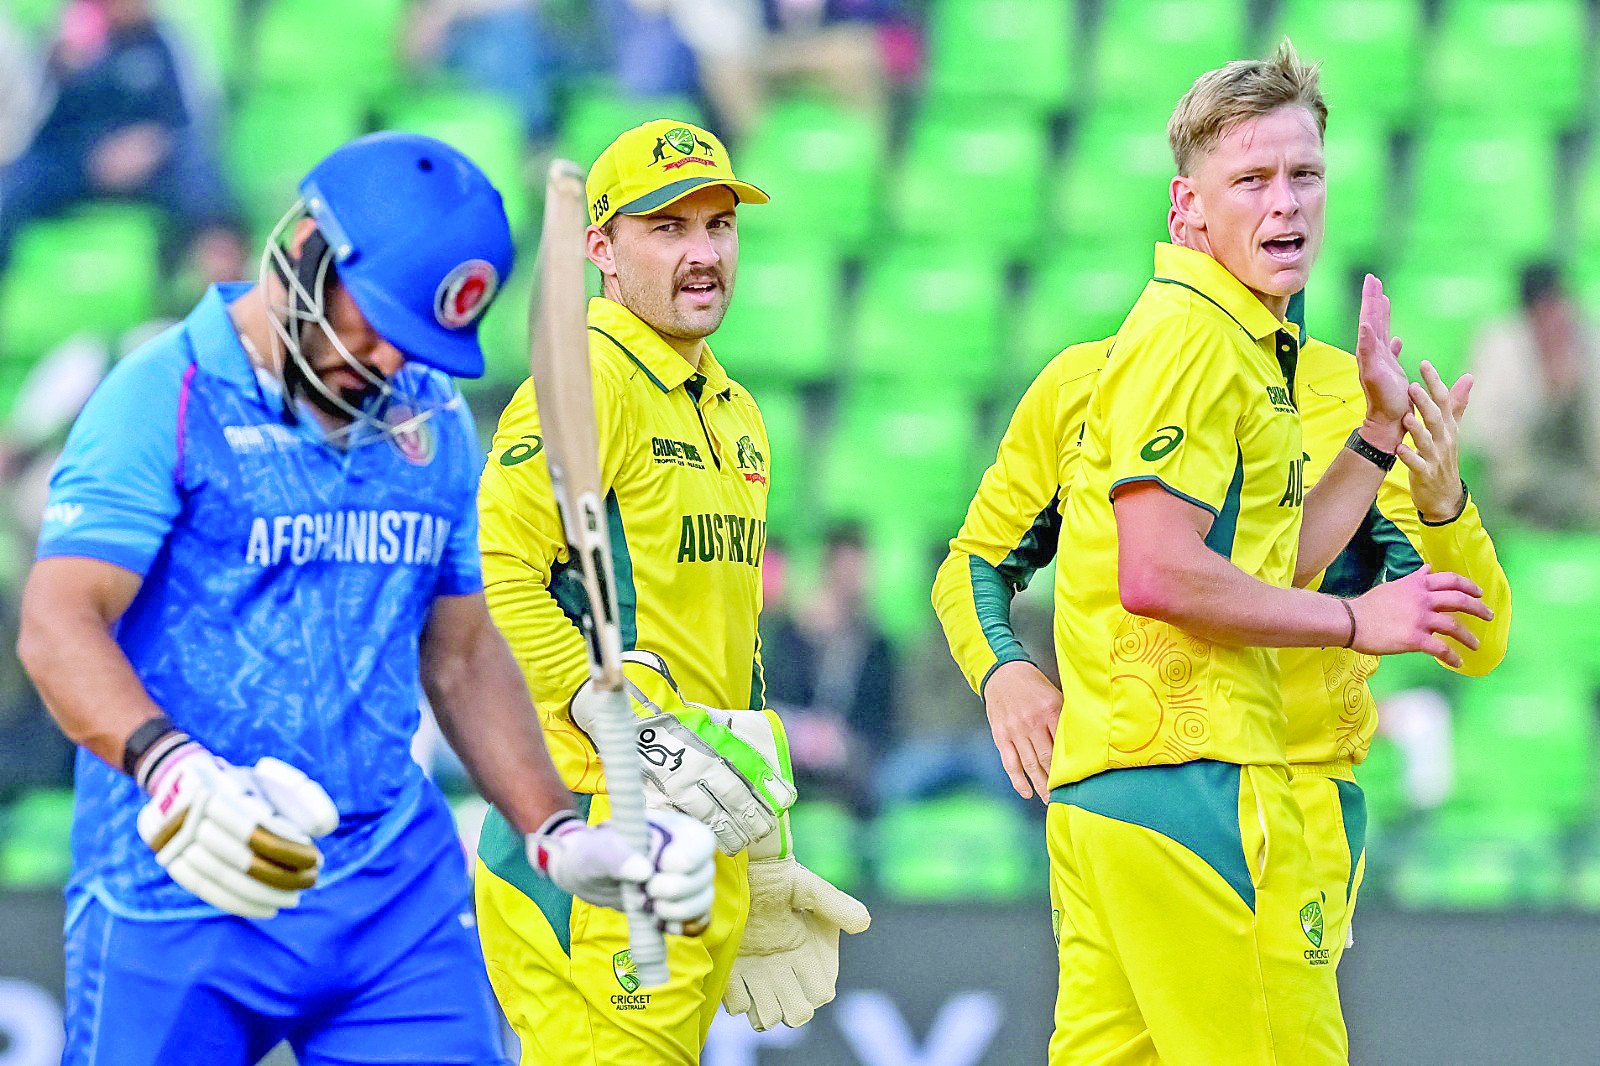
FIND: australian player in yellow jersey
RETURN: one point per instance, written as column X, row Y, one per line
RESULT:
column 684, row 453
column 1179, row 867
column 1423, row 514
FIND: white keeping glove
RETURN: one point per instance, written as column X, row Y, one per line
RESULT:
column 727, row 769
column 238, row 838
column 592, row 862
column 788, row 962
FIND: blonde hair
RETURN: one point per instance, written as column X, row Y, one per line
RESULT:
column 1246, row 88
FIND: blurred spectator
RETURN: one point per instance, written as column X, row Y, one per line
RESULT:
column 856, row 49
column 122, row 125
column 19, row 90
column 831, row 675
column 502, row 47
column 1535, row 416
column 948, row 745
column 676, row 47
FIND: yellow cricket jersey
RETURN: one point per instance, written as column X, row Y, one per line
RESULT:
column 1196, row 396
column 1331, row 712
column 683, row 459
column 1013, row 523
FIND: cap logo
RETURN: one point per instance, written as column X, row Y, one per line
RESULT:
column 464, row 294
column 685, row 141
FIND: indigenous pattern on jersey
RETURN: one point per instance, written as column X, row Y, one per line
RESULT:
column 684, row 462
column 1331, row 712
column 1196, row 397
column 286, row 582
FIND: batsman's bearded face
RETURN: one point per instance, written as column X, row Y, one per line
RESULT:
column 675, row 268
column 378, row 356
column 1256, row 201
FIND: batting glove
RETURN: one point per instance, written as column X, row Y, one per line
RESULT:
column 593, row 862
column 788, row 962
column 238, row 838
column 727, row 769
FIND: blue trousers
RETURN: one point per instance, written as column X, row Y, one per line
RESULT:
column 382, row 966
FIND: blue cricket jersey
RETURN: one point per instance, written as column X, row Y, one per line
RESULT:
column 286, row 583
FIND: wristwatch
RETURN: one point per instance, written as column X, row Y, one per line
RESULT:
column 1376, row 456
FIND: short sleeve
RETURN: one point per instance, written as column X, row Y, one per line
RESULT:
column 114, row 492
column 1169, row 412
column 461, row 570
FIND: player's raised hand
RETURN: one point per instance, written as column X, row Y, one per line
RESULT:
column 219, row 832
column 1434, row 456
column 1416, row 613
column 1383, row 380
column 593, row 862
column 1024, row 709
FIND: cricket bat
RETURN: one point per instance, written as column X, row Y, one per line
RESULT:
column 564, row 389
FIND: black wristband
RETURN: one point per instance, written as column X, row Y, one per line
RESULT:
column 1376, row 456
column 142, row 739
column 1466, row 497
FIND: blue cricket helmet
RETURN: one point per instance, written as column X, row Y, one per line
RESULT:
column 421, row 241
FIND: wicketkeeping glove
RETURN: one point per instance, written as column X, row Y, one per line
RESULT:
column 238, row 838
column 727, row 769
column 788, row 962
column 592, row 862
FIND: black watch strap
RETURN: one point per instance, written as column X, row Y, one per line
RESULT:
column 1376, row 456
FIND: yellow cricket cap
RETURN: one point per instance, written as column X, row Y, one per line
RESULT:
column 657, row 164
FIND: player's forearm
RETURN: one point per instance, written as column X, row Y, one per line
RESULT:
column 1188, row 585
column 1334, row 509
column 83, row 676
column 481, row 703
column 974, row 610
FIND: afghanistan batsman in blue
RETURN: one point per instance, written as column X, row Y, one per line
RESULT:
column 260, row 548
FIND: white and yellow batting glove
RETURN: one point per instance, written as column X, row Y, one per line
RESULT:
column 728, row 770
column 239, row 838
column 788, row 962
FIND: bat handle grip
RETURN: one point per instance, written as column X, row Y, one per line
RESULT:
column 646, row 944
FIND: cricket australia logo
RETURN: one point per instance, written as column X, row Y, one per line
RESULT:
column 628, row 977
column 659, row 754
column 689, row 147
column 751, row 462
column 1311, row 925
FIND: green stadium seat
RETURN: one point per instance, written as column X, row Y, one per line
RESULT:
column 975, row 177
column 930, row 314
column 827, row 838
column 348, row 50
column 95, row 271
column 1382, row 779
column 1150, row 51
column 1520, row 60
column 276, row 137
column 784, row 412
column 35, row 850
column 1333, row 298
column 597, row 115
column 985, row 851
column 1361, row 171
column 37, row 17
column 1555, row 581
column 1503, row 177
column 823, row 165
column 900, row 457
column 1113, row 187
column 785, row 323
column 1369, row 51
column 1464, row 861
column 1442, row 297
column 1076, row 293
column 484, row 127
column 1010, row 51
column 1526, row 744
